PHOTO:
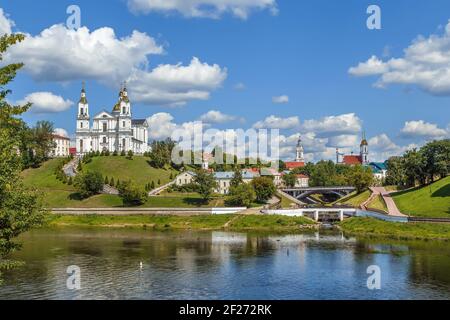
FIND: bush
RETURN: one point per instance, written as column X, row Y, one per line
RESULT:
column 106, row 180
column 89, row 184
column 130, row 155
column 70, row 182
column 111, row 182
column 115, row 153
column 241, row 195
column 264, row 188
column 131, row 194
column 122, row 153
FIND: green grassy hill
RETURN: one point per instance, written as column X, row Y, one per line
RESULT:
column 429, row 201
column 59, row 195
column 138, row 170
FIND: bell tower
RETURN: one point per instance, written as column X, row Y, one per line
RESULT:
column 299, row 151
column 83, row 124
column 364, row 150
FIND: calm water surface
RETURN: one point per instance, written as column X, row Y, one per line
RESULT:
column 219, row 265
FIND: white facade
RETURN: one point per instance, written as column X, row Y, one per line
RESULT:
column 302, row 181
column 62, row 145
column 115, row 131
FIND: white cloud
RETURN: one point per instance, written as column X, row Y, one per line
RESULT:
column 214, row 116
column 46, row 102
column 425, row 64
column 61, row 132
column 176, row 84
column 381, row 148
column 60, row 54
column 422, row 129
column 161, row 125
column 203, row 8
column 344, row 141
column 280, row 99
column 6, row 24
column 344, row 124
column 274, row 122
column 373, row 66
column 63, row 55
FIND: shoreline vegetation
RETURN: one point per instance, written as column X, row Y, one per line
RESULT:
column 365, row 227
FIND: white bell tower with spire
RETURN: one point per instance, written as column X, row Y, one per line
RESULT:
column 83, row 124
column 300, row 157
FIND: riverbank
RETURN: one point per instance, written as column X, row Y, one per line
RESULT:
column 400, row 231
column 201, row 222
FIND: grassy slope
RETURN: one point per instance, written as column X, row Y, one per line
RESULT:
column 407, row 231
column 59, row 195
column 355, row 199
column 210, row 222
column 378, row 203
column 429, row 201
column 138, row 170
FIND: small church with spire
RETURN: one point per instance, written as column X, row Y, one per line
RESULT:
column 113, row 131
column 362, row 158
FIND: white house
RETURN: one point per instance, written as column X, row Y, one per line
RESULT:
column 302, row 181
column 115, row 131
column 62, row 146
column 185, row 178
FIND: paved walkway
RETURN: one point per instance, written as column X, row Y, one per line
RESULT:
column 158, row 190
column 392, row 207
column 70, row 169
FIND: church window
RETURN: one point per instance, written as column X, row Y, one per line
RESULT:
column 123, row 144
column 82, row 111
column 104, row 126
column 123, row 124
column 81, row 145
column 104, row 139
column 81, row 125
column 124, row 110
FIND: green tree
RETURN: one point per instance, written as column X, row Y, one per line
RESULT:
column 206, row 183
column 237, row 178
column 241, row 195
column 395, row 172
column 20, row 208
column 264, row 188
column 414, row 165
column 111, row 182
column 436, row 156
column 360, row 177
column 89, row 183
column 131, row 194
column 290, row 180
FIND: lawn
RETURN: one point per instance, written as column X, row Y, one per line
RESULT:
column 402, row 231
column 202, row 222
column 429, row 201
column 378, row 203
column 59, row 195
column 137, row 170
column 354, row 199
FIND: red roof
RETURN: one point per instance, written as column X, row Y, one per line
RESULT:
column 293, row 165
column 349, row 160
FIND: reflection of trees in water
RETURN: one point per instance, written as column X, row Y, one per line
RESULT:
column 431, row 264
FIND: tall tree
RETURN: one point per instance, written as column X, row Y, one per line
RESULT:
column 205, row 183
column 237, row 178
column 20, row 208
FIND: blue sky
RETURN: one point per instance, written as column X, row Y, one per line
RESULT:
column 249, row 55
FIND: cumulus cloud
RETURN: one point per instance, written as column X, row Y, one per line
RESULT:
column 274, row 122
column 175, row 85
column 61, row 132
column 214, row 116
column 422, row 129
column 239, row 86
column 46, row 102
column 280, row 99
column 424, row 64
column 203, row 8
column 63, row 55
column 6, row 24
column 345, row 124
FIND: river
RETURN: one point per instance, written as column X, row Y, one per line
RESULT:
column 142, row 264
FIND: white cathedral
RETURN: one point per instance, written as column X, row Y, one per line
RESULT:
column 115, row 131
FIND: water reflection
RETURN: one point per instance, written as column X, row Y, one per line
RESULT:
column 138, row 264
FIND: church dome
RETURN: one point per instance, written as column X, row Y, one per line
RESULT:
column 364, row 142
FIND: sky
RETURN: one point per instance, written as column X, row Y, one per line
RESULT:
column 305, row 67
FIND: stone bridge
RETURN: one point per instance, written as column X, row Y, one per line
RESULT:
column 303, row 194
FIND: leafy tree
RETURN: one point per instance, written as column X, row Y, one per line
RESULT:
column 414, row 164
column 264, row 188
column 290, row 180
column 241, row 195
column 20, row 208
column 237, row 178
column 206, row 183
column 159, row 182
column 131, row 194
column 111, row 182
column 89, row 183
column 436, row 159
column 106, row 180
column 152, row 185
column 360, row 177
column 130, row 155
column 395, row 172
